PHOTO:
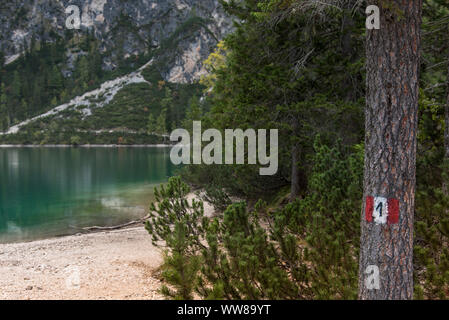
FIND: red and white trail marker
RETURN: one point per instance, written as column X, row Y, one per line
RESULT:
column 382, row 210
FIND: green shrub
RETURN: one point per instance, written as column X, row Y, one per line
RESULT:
column 306, row 250
column 431, row 250
column 180, row 225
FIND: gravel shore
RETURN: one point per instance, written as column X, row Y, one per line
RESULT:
column 118, row 264
column 109, row 265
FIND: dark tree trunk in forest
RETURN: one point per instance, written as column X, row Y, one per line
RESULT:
column 390, row 152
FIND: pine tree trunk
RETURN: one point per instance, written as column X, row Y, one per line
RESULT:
column 390, row 155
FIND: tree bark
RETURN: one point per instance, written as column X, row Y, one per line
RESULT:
column 391, row 122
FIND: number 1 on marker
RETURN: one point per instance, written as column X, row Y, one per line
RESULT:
column 380, row 213
column 379, row 208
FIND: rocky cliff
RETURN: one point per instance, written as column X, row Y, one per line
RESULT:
column 181, row 33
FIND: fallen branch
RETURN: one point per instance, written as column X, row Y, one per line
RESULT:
column 121, row 226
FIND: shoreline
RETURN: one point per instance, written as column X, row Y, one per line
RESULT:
column 106, row 265
column 80, row 232
column 94, row 265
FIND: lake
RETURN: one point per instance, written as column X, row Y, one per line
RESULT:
column 53, row 191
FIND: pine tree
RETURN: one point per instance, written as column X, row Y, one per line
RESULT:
column 16, row 85
column 54, row 102
column 307, row 250
column 95, row 61
column 24, row 107
column 393, row 54
column 194, row 113
column 83, row 75
column 161, row 127
column 152, row 124
column 63, row 95
column 55, row 82
column 36, row 97
column 180, row 269
column 168, row 108
column 282, row 70
column 180, row 223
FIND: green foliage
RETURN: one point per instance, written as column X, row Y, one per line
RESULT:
column 217, row 197
column 431, row 252
column 309, row 248
column 129, row 109
column 431, row 256
column 75, row 140
column 241, row 262
column 306, row 250
column 151, row 126
column 161, row 127
column 126, row 116
column 36, row 78
column 180, row 269
column 39, row 80
column 284, row 70
column 171, row 207
column 329, row 219
column 213, row 63
column 194, row 113
column 179, row 223
column 43, row 78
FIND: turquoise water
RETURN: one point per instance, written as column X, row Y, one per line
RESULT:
column 46, row 192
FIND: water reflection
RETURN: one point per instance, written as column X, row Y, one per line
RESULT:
column 51, row 191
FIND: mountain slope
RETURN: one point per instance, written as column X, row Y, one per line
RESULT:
column 64, row 86
column 103, row 96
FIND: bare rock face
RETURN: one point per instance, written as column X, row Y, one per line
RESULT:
column 181, row 33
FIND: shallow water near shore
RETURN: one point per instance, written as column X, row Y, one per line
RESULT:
column 47, row 192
